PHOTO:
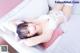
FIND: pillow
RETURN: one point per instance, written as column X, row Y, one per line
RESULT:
column 55, row 35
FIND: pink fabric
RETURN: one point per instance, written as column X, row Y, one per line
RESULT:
column 56, row 34
column 7, row 5
column 2, row 42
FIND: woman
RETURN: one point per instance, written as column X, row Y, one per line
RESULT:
column 39, row 30
column 33, row 10
column 60, row 11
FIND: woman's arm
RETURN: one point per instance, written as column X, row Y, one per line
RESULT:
column 37, row 39
column 45, row 37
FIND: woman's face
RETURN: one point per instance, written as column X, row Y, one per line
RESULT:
column 27, row 29
column 31, row 28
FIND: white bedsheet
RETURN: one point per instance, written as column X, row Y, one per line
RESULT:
column 70, row 40
column 68, row 43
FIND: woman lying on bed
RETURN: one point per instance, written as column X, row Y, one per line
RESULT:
column 39, row 30
column 34, row 32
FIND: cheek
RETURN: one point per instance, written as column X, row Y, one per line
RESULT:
column 32, row 30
